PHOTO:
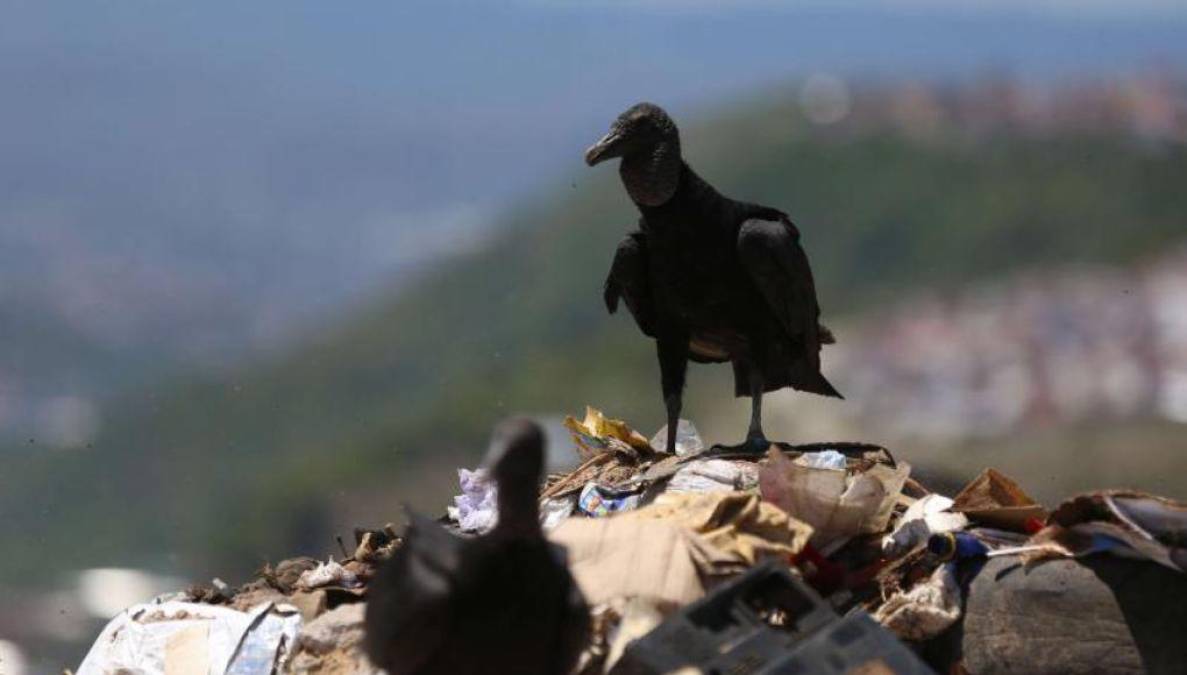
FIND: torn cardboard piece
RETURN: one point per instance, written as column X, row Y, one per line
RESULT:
column 624, row 557
column 995, row 500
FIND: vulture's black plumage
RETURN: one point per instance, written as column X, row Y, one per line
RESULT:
column 503, row 602
column 709, row 278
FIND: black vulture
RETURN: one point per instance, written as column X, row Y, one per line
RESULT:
column 709, row 278
column 503, row 602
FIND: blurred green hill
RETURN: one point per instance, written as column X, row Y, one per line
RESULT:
column 212, row 475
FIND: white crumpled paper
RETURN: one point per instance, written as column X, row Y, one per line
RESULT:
column 194, row 639
column 928, row 516
column 476, row 509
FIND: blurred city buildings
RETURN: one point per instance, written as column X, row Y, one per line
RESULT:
column 1046, row 348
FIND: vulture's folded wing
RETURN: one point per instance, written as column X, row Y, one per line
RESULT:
column 770, row 253
column 628, row 280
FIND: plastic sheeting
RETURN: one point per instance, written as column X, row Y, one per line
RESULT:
column 184, row 638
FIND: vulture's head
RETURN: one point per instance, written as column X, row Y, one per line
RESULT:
column 640, row 131
column 516, row 456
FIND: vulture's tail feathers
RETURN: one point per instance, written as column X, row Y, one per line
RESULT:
column 817, row 384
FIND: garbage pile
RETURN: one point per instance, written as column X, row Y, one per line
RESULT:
column 300, row 616
column 818, row 558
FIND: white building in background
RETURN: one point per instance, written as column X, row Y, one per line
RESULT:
column 1088, row 344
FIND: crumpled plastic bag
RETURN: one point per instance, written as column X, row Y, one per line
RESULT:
column 926, row 610
column 714, row 475
column 476, row 509
column 825, row 459
column 186, row 637
column 688, row 440
column 837, row 504
column 553, row 512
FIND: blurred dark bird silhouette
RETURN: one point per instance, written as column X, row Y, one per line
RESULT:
column 503, row 602
column 709, row 278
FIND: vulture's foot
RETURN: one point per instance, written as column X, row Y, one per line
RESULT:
column 755, row 443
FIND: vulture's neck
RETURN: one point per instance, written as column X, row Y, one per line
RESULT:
column 652, row 178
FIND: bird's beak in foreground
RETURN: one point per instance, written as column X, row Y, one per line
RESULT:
column 607, row 147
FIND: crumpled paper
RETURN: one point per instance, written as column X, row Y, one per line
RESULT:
column 742, row 529
column 597, row 434
column 837, row 504
column 926, row 610
column 476, row 509
column 665, row 551
column 927, row 516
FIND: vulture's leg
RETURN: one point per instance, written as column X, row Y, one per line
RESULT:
column 755, row 439
column 673, row 363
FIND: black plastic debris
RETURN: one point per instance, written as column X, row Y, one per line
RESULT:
column 768, row 622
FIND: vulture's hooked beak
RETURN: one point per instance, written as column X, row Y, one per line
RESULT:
column 608, row 147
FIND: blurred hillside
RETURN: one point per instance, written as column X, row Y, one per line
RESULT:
column 190, row 186
column 212, row 474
